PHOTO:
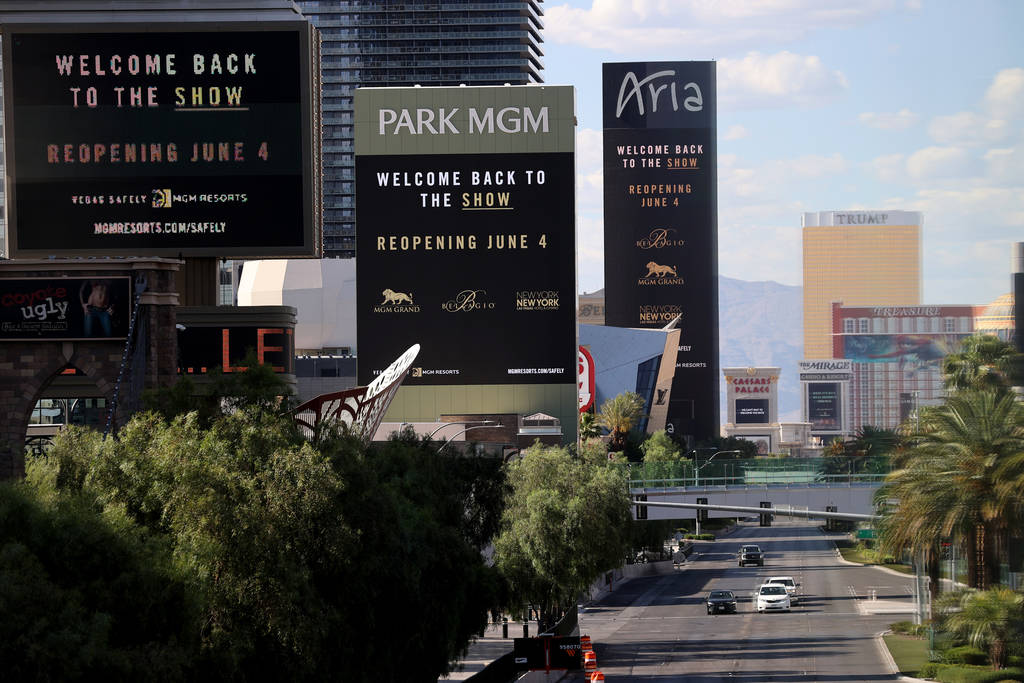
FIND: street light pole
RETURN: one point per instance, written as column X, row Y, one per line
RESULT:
column 696, row 482
column 488, row 423
column 482, row 423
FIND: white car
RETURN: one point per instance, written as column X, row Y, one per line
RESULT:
column 772, row 597
column 790, row 584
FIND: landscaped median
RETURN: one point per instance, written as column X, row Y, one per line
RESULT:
column 857, row 552
column 908, row 645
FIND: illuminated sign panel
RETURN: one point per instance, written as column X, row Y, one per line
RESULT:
column 201, row 349
column 65, row 308
column 466, row 235
column 752, row 411
column 823, row 405
column 161, row 140
column 660, row 221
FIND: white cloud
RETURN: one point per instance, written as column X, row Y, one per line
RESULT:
column 704, row 27
column 736, row 133
column 900, row 120
column 1005, row 165
column 1005, row 97
column 967, row 128
column 782, row 79
column 890, row 169
column 936, row 163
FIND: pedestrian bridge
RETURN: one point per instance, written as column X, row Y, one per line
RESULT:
column 848, row 484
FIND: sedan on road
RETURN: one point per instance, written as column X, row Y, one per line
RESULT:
column 772, row 597
column 721, row 601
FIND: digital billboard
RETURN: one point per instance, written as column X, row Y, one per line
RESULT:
column 752, row 411
column 466, row 236
column 161, row 139
column 823, row 405
column 65, row 308
column 660, row 221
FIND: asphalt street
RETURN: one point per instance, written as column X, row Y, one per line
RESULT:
column 657, row 628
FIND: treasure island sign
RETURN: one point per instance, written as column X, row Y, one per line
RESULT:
column 161, row 139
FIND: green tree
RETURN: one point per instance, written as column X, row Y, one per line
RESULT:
column 589, row 428
column 87, row 594
column 984, row 362
column 659, row 447
column 250, row 387
column 594, row 451
column 747, row 449
column 952, row 482
column 303, row 564
column 990, row 620
column 564, row 523
column 619, row 415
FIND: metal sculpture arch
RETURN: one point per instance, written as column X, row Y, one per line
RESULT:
column 359, row 410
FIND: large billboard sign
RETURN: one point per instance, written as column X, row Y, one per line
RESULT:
column 162, row 139
column 65, row 308
column 661, row 223
column 752, row 411
column 466, row 236
column 824, row 406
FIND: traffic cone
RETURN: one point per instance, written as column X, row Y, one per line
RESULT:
column 596, row 676
column 589, row 661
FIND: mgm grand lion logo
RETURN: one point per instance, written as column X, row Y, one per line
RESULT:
column 658, row 274
column 396, row 302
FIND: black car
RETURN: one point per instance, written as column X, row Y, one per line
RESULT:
column 750, row 554
column 721, row 601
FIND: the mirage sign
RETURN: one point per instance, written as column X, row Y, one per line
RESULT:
column 660, row 221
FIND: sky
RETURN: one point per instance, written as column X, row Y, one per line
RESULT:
column 823, row 105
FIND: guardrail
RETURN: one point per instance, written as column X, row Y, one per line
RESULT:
column 760, row 473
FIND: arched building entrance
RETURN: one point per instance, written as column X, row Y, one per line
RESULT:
column 102, row 330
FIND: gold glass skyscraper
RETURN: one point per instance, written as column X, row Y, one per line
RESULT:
column 861, row 258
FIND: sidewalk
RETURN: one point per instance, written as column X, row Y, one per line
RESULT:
column 488, row 648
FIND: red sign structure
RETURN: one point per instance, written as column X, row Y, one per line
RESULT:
column 585, row 380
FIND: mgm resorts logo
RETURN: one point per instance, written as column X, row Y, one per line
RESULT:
column 659, row 313
column 658, row 274
column 467, row 300
column 396, row 302
column 659, row 238
column 537, row 300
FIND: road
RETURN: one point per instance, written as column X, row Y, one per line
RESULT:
column 657, row 629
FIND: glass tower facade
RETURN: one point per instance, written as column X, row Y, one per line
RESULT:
column 392, row 43
column 859, row 258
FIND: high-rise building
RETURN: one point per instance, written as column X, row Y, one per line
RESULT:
column 895, row 354
column 859, row 258
column 390, row 43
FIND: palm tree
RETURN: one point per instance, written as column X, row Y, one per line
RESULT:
column 990, row 619
column 954, row 480
column 984, row 362
column 588, row 426
column 619, row 415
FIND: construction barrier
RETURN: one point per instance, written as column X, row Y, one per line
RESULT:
column 596, row 676
column 589, row 661
column 585, row 643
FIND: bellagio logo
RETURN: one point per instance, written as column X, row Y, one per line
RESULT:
column 396, row 302
column 659, row 238
column 468, row 300
column 658, row 274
